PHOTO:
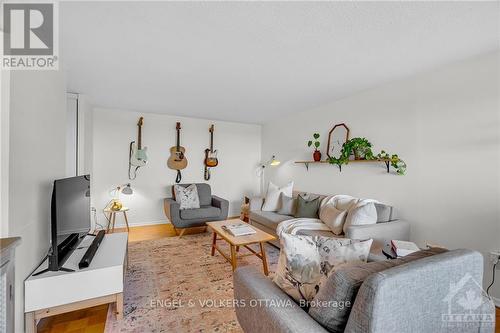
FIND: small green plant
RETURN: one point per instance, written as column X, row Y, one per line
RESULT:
column 395, row 161
column 315, row 142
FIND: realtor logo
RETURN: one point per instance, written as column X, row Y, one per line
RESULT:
column 29, row 36
column 468, row 305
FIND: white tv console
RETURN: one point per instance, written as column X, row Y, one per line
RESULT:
column 53, row 293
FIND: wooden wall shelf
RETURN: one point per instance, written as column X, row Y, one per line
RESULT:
column 386, row 161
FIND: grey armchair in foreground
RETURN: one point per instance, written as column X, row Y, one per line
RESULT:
column 212, row 208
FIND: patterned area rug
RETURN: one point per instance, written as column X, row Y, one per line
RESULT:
column 174, row 285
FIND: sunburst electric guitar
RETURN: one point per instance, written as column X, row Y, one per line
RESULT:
column 211, row 160
column 177, row 160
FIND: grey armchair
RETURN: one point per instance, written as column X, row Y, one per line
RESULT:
column 212, row 208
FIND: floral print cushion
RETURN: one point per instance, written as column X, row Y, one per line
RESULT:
column 307, row 261
column 187, row 197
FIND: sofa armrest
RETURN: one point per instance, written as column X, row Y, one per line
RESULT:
column 381, row 232
column 223, row 204
column 256, row 203
column 172, row 209
column 261, row 306
column 419, row 296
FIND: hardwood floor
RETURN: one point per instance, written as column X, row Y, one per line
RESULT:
column 497, row 327
column 93, row 320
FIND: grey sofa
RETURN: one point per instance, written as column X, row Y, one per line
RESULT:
column 212, row 208
column 413, row 297
column 388, row 226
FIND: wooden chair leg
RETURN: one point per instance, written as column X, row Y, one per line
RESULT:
column 183, row 230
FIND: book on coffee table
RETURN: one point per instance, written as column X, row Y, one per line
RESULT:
column 239, row 229
column 404, row 248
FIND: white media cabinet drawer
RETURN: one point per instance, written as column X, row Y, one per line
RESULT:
column 103, row 277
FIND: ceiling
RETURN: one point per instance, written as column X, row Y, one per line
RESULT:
column 255, row 61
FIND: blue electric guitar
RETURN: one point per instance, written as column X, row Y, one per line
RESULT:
column 138, row 155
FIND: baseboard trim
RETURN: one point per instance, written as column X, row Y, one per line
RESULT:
column 141, row 224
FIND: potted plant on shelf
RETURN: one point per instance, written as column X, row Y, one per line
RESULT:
column 315, row 142
column 361, row 148
column 395, row 161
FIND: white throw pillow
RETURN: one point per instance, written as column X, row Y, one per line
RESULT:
column 333, row 218
column 187, row 197
column 272, row 200
column 361, row 215
column 344, row 202
column 306, row 261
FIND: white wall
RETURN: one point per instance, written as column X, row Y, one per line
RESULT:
column 4, row 151
column 85, row 132
column 444, row 124
column 239, row 154
column 37, row 157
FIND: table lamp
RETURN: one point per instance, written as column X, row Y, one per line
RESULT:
column 115, row 204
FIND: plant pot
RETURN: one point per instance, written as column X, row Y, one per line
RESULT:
column 359, row 154
column 317, row 156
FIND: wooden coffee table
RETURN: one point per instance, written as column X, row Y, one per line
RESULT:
column 235, row 242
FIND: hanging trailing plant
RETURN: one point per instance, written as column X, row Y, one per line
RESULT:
column 395, row 161
column 361, row 149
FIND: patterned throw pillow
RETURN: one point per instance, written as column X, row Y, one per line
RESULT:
column 187, row 197
column 306, row 261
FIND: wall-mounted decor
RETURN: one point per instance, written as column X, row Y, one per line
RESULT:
column 360, row 149
column 137, row 153
column 315, row 143
column 177, row 160
column 338, row 135
column 211, row 160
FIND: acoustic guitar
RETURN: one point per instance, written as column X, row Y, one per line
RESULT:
column 211, row 154
column 138, row 155
column 177, row 160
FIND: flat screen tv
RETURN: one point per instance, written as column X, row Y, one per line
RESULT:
column 70, row 217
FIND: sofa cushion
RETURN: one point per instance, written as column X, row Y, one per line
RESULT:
column 307, row 206
column 187, row 197
column 362, row 213
column 269, row 219
column 199, row 213
column 305, row 262
column 342, row 286
column 272, row 200
column 333, row 218
column 384, row 212
column 287, row 205
column 204, row 193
